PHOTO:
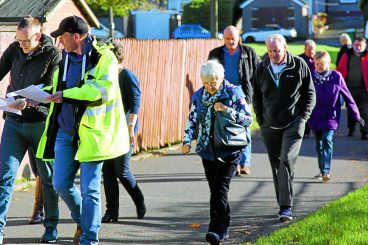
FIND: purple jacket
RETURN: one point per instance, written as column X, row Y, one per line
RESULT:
column 326, row 113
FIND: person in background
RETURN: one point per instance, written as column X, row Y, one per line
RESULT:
column 240, row 62
column 31, row 60
column 283, row 100
column 37, row 211
column 345, row 42
column 217, row 94
column 85, row 125
column 118, row 168
column 308, row 57
column 325, row 118
column 353, row 66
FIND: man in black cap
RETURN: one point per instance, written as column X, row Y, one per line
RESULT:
column 85, row 126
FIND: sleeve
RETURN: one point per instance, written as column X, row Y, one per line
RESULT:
column 257, row 96
column 98, row 88
column 130, row 89
column 348, row 98
column 6, row 61
column 307, row 93
column 191, row 125
column 54, row 64
column 240, row 110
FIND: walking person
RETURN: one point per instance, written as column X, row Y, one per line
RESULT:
column 31, row 60
column 283, row 100
column 308, row 57
column 240, row 62
column 325, row 118
column 118, row 168
column 353, row 66
column 216, row 95
column 345, row 42
column 85, row 125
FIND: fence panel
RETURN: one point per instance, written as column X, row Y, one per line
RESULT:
column 168, row 72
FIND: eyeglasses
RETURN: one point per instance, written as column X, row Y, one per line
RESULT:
column 26, row 41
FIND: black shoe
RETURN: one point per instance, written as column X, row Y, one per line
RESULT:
column 351, row 133
column 213, row 238
column 364, row 137
column 107, row 218
column 306, row 136
column 141, row 211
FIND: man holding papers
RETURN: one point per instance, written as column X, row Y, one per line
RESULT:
column 31, row 60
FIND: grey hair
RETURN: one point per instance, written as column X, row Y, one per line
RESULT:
column 276, row 37
column 345, row 39
column 309, row 42
column 212, row 69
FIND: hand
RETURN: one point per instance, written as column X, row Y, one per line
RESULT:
column 362, row 122
column 220, row 107
column 57, row 97
column 19, row 104
column 131, row 135
column 32, row 103
column 185, row 149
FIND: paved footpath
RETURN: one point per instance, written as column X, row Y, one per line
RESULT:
column 177, row 196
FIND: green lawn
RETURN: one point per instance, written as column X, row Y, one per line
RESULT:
column 344, row 221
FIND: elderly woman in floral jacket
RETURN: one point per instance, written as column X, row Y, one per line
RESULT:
column 216, row 94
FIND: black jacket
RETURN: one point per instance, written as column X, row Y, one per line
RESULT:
column 295, row 97
column 26, row 71
column 247, row 66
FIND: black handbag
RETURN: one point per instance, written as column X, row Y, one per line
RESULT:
column 227, row 134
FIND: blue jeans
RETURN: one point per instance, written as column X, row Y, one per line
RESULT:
column 246, row 157
column 84, row 204
column 17, row 137
column 324, row 148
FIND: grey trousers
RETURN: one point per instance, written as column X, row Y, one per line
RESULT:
column 283, row 146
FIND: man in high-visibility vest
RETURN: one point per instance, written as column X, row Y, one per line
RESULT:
column 86, row 124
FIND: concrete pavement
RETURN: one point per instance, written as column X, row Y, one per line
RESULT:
column 177, row 197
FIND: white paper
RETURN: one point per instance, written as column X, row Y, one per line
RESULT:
column 7, row 101
column 32, row 92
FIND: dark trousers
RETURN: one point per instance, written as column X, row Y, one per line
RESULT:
column 219, row 175
column 283, row 146
column 360, row 96
column 113, row 170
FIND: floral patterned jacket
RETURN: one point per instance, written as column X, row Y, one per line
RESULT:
column 233, row 97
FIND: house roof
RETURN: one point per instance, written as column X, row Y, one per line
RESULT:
column 13, row 10
column 299, row 2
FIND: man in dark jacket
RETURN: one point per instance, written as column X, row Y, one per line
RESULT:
column 308, row 57
column 283, row 100
column 240, row 62
column 31, row 60
column 353, row 66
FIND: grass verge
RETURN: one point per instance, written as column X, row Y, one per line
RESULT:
column 344, row 221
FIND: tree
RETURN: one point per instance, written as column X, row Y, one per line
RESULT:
column 120, row 7
column 198, row 11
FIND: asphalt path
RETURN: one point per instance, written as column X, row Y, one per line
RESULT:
column 177, row 197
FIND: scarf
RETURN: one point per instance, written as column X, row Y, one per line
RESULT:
column 323, row 77
column 204, row 131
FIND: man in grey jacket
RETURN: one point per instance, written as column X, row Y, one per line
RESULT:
column 283, row 100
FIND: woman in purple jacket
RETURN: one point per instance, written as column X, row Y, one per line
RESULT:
column 325, row 118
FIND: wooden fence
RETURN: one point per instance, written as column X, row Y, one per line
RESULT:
column 168, row 72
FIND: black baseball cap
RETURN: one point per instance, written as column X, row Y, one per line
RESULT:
column 72, row 24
